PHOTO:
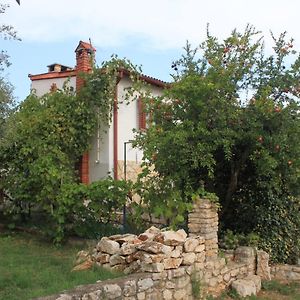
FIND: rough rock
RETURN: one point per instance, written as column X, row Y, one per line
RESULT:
column 167, row 295
column 180, row 295
column 199, row 248
column 84, row 266
column 190, row 244
column 102, row 258
column 245, row 255
column 167, row 249
column 64, row 297
column 263, row 269
column 153, row 230
column 172, row 263
column 145, row 284
column 188, row 258
column 117, row 259
column 244, row 287
column 257, row 281
column 108, row 246
column 151, row 247
column 146, row 236
column 112, row 291
column 133, row 267
column 152, row 267
column 177, row 252
column 129, row 288
column 123, row 238
column 171, row 238
column 82, row 256
column 127, row 249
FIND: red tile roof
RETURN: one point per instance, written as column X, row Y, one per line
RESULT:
column 84, row 45
column 51, row 75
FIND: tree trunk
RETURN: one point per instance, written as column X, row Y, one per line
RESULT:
column 236, row 168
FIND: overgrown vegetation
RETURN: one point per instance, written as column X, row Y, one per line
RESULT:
column 229, row 125
column 227, row 129
column 44, row 140
column 30, row 268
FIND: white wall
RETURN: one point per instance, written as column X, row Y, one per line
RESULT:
column 43, row 86
column 127, row 120
column 99, row 155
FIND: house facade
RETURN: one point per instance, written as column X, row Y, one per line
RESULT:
column 110, row 153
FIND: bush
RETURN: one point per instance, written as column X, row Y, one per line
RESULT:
column 230, row 240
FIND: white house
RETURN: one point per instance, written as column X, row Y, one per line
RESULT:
column 107, row 152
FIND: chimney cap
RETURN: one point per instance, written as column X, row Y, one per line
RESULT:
column 51, row 67
column 84, row 45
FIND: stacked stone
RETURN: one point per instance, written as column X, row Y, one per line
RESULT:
column 168, row 285
column 262, row 268
column 203, row 221
column 246, row 255
column 285, row 272
column 153, row 251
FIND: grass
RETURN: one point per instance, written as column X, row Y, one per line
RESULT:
column 31, row 268
column 289, row 290
column 271, row 290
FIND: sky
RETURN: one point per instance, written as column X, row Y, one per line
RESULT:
column 149, row 33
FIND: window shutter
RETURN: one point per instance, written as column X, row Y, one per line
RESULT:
column 141, row 115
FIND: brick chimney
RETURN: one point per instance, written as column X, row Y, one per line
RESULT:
column 84, row 56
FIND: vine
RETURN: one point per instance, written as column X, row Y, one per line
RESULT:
column 45, row 138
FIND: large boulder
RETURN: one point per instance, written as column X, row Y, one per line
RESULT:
column 248, row 286
column 108, row 246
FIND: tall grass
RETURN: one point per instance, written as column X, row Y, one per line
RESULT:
column 30, row 268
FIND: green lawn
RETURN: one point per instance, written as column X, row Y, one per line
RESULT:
column 30, row 268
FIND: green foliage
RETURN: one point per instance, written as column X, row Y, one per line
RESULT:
column 278, row 224
column 6, row 89
column 44, row 140
column 229, row 123
column 7, row 32
column 91, row 210
column 161, row 200
column 230, row 240
column 6, row 104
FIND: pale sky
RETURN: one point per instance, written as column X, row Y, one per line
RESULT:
column 150, row 33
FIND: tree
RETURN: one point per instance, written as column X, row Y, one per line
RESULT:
column 228, row 125
column 44, row 140
column 7, row 32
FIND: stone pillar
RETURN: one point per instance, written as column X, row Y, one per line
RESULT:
column 246, row 255
column 262, row 268
column 203, row 221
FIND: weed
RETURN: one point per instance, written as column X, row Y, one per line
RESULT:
column 196, row 286
column 283, row 289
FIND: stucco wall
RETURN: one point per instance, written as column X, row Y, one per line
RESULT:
column 127, row 121
column 99, row 156
column 43, row 86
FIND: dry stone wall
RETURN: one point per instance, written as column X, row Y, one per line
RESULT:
column 203, row 221
column 153, row 251
column 286, row 272
column 164, row 264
